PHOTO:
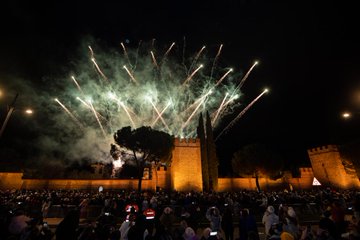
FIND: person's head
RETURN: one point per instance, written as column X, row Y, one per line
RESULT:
column 291, row 212
column 270, row 209
column 189, row 233
column 167, row 210
column 245, row 212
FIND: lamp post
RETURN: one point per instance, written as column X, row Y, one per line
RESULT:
column 8, row 115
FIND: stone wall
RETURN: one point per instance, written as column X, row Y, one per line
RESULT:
column 11, row 180
column 186, row 172
column 329, row 169
column 286, row 182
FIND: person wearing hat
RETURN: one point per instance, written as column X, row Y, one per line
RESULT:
column 269, row 218
column 168, row 219
column 291, row 226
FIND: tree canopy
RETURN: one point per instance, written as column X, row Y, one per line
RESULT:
column 258, row 160
column 146, row 145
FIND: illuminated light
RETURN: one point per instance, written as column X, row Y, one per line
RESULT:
column 346, row 115
column 266, row 90
column 29, row 111
column 256, row 62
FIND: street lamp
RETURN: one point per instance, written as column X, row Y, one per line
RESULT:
column 346, row 115
column 11, row 109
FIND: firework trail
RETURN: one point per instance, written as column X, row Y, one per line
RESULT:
column 125, row 53
column 89, row 107
column 192, row 74
column 159, row 115
column 77, row 85
column 215, row 61
column 154, row 59
column 98, row 69
column 219, row 109
column 91, row 52
column 246, row 76
column 240, row 114
column 131, row 76
column 97, row 119
column 224, row 76
column 168, row 51
column 69, row 113
column 196, row 58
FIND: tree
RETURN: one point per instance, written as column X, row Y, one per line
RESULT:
column 146, row 146
column 257, row 160
column 213, row 162
column 204, row 158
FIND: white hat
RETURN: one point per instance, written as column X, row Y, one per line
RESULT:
column 291, row 212
column 270, row 209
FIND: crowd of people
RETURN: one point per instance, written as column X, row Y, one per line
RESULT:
column 128, row 215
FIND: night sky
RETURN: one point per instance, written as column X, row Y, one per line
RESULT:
column 308, row 54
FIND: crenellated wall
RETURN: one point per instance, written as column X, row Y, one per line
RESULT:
column 16, row 181
column 186, row 172
column 304, row 182
column 328, row 167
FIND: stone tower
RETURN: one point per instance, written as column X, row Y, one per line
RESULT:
column 186, row 171
column 329, row 169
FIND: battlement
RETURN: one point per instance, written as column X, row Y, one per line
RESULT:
column 323, row 149
column 305, row 170
column 187, row 142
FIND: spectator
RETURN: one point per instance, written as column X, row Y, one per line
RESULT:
column 18, row 222
column 190, row 234
column 328, row 225
column 247, row 225
column 269, row 218
column 167, row 219
column 290, row 226
column 67, row 228
column 126, row 225
column 213, row 215
column 228, row 224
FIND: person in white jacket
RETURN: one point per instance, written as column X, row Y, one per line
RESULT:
column 269, row 219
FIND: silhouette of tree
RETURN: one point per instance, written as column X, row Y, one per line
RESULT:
column 213, row 162
column 146, row 145
column 257, row 160
column 204, row 158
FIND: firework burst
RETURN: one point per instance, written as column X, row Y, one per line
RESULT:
column 150, row 87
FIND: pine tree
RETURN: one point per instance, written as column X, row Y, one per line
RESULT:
column 204, row 159
column 212, row 159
